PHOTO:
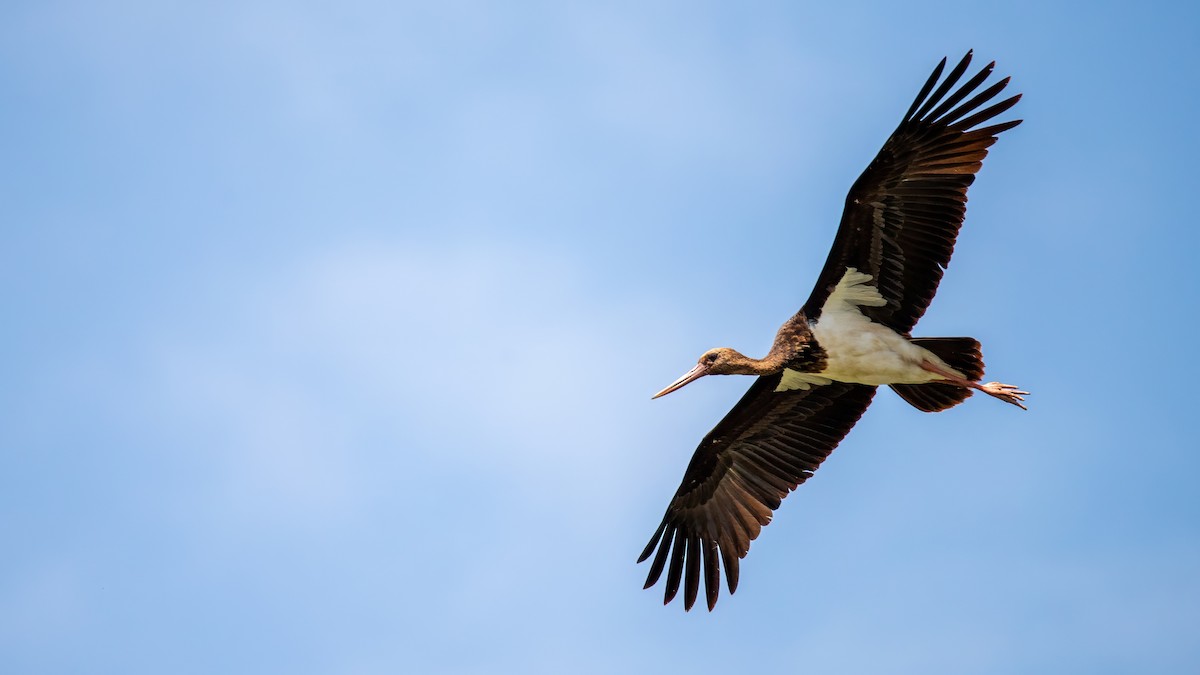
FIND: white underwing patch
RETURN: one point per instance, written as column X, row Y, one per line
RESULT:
column 793, row 379
column 854, row 289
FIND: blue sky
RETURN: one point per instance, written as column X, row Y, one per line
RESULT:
column 330, row 332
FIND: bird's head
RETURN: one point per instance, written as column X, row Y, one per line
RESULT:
column 719, row 361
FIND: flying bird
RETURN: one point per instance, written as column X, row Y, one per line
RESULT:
column 895, row 240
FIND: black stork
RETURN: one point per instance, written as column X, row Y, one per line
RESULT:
column 895, row 239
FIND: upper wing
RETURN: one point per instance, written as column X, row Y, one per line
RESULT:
column 767, row 445
column 903, row 213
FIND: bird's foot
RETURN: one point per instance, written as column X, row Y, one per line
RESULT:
column 1005, row 392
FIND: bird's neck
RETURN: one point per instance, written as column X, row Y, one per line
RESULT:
column 793, row 341
column 772, row 363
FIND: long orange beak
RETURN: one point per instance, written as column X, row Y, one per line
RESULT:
column 694, row 374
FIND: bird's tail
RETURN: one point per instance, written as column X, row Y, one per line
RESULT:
column 961, row 354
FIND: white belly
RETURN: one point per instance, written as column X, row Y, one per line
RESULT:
column 869, row 353
column 861, row 351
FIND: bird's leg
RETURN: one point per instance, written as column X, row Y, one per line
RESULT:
column 1005, row 392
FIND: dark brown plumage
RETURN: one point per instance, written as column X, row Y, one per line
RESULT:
column 904, row 212
column 766, row 446
column 900, row 222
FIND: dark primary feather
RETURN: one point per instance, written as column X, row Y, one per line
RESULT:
column 904, row 212
column 770, row 443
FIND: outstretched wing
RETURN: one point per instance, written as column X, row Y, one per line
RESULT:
column 903, row 213
column 770, row 443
